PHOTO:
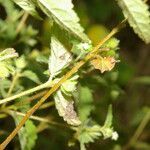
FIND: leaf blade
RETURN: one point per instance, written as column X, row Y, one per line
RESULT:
column 136, row 11
column 61, row 11
column 29, row 6
column 59, row 58
column 66, row 109
column 31, row 75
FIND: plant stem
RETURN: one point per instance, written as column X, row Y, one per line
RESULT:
column 36, row 118
column 28, row 100
column 22, row 22
column 77, row 66
column 139, row 130
column 15, row 78
column 46, row 105
column 31, row 117
column 42, row 86
column 141, row 127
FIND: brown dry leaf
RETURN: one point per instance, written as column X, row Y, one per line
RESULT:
column 104, row 63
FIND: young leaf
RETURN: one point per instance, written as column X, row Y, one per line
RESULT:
column 66, row 109
column 59, row 57
column 61, row 11
column 8, row 53
column 108, row 121
column 87, row 133
column 80, row 49
column 4, row 72
column 107, row 129
column 103, row 63
column 69, row 86
column 21, row 62
column 136, row 11
column 31, row 75
column 29, row 6
column 6, row 66
column 112, row 43
column 27, row 134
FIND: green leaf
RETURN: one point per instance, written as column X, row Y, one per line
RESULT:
column 107, row 129
column 42, row 59
column 112, row 43
column 85, row 105
column 6, row 67
column 59, row 58
column 27, row 134
column 108, row 121
column 61, row 11
column 136, row 11
column 87, row 133
column 31, row 75
column 65, row 109
column 21, row 62
column 4, row 71
column 69, row 86
column 7, row 54
column 80, row 49
column 29, row 6
column 4, row 86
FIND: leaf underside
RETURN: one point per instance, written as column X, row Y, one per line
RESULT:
column 59, row 57
column 66, row 109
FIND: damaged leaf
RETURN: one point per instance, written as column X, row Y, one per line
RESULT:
column 104, row 63
column 66, row 109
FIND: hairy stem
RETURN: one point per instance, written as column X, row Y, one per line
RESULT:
column 77, row 66
column 42, row 86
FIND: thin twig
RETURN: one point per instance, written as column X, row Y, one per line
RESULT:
column 31, row 117
column 46, row 105
column 42, row 86
column 139, row 130
column 57, row 85
column 15, row 78
column 36, row 118
column 22, row 22
column 28, row 100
